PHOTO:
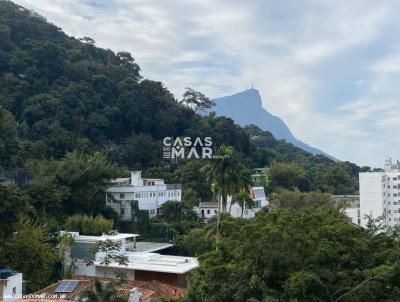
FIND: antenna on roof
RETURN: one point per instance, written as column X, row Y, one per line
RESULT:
column 252, row 86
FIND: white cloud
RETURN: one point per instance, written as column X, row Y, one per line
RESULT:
column 291, row 50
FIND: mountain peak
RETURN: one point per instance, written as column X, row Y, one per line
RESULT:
column 245, row 108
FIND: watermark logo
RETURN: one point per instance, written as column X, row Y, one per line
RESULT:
column 187, row 147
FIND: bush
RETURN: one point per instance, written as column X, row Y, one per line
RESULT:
column 88, row 225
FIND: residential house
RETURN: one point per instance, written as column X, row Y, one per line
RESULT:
column 260, row 177
column 207, row 210
column 149, row 193
column 143, row 263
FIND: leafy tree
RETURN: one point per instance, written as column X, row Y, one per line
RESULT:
column 65, row 242
column 8, row 139
column 77, row 182
column 101, row 293
column 297, row 200
column 29, row 251
column 175, row 211
column 14, row 204
column 88, row 225
column 312, row 255
column 196, row 100
column 243, row 199
column 110, row 249
column 288, row 176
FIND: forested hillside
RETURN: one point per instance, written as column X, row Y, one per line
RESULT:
column 74, row 116
column 59, row 94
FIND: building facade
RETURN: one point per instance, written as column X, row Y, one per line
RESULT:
column 260, row 177
column 149, row 193
column 208, row 210
column 380, row 194
column 143, row 263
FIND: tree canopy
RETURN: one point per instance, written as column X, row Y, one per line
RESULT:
column 313, row 255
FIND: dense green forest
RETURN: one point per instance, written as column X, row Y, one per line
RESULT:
column 73, row 116
column 60, row 94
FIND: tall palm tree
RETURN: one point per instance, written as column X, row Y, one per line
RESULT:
column 222, row 173
column 243, row 199
column 242, row 181
column 100, row 293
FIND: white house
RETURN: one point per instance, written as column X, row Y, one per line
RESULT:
column 143, row 263
column 10, row 285
column 150, row 193
column 380, row 194
column 207, row 210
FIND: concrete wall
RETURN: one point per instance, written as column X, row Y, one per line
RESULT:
column 12, row 288
column 371, row 195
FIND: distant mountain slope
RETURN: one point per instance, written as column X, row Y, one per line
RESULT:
column 246, row 108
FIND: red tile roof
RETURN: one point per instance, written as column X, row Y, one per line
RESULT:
column 160, row 289
column 49, row 293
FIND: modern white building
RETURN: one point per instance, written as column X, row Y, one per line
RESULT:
column 208, row 210
column 380, row 194
column 143, row 263
column 150, row 193
column 10, row 285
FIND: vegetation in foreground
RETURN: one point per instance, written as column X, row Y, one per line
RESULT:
column 73, row 116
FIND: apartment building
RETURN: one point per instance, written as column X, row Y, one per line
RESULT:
column 380, row 194
column 150, row 194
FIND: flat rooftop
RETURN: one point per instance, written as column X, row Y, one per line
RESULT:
column 150, row 247
column 104, row 237
column 156, row 263
column 209, row 204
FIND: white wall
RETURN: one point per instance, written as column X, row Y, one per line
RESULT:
column 12, row 288
column 353, row 214
column 371, row 195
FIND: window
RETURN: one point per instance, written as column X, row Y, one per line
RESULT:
column 215, row 211
column 14, row 290
column 395, row 203
column 138, row 195
column 208, row 211
column 396, row 211
column 152, row 212
column 394, row 178
column 122, row 196
column 394, row 195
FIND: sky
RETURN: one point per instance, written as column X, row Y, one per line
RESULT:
column 329, row 69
